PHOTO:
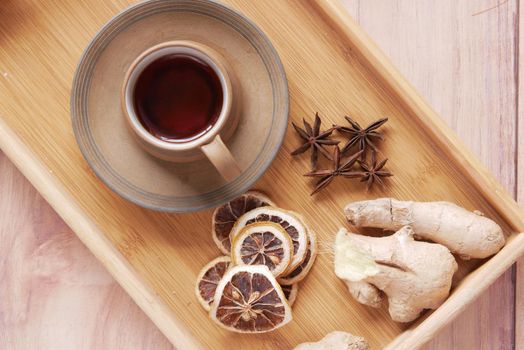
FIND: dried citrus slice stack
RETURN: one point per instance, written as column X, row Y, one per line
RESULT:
column 288, row 220
column 290, row 291
column 225, row 216
column 248, row 299
column 263, row 243
column 208, row 278
column 269, row 251
column 300, row 272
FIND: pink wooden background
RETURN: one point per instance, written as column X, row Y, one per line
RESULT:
column 55, row 295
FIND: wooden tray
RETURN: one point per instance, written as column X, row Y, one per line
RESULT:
column 332, row 68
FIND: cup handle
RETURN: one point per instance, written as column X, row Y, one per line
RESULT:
column 219, row 155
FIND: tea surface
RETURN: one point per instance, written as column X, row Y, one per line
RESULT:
column 178, row 97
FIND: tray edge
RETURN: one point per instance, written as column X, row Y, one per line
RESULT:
column 445, row 137
column 470, row 288
column 93, row 238
column 479, row 280
column 63, row 203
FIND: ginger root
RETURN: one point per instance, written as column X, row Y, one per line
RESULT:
column 414, row 275
column 336, row 341
column 469, row 234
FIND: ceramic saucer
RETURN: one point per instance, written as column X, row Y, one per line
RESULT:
column 108, row 145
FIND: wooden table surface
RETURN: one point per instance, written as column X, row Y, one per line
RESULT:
column 463, row 56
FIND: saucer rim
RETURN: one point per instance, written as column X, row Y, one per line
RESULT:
column 232, row 191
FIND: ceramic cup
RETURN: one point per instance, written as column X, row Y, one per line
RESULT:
column 209, row 143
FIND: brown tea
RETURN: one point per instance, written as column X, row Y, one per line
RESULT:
column 178, row 98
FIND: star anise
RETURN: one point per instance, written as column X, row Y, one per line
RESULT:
column 363, row 138
column 315, row 140
column 373, row 172
column 344, row 170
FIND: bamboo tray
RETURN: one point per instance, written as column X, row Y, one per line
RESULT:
column 332, row 68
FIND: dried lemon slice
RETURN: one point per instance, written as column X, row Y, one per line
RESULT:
column 263, row 244
column 302, row 270
column 208, row 278
column 288, row 220
column 248, row 299
column 225, row 216
column 290, row 292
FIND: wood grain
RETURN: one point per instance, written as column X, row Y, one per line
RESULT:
column 519, row 278
column 455, row 60
column 55, row 294
column 145, row 238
